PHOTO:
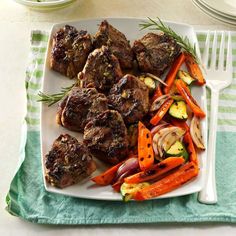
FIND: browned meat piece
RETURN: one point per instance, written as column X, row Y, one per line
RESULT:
column 79, row 107
column 70, row 50
column 155, row 52
column 109, row 36
column 130, row 97
column 106, row 137
column 68, row 162
column 133, row 135
column 101, row 70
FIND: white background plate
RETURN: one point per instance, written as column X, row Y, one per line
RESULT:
column 224, row 6
column 50, row 130
column 213, row 13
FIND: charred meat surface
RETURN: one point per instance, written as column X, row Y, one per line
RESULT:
column 80, row 107
column 68, row 162
column 130, row 96
column 109, row 36
column 155, row 52
column 101, row 70
column 70, row 49
column 133, row 135
column 106, row 137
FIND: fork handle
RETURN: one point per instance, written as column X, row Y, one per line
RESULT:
column 208, row 194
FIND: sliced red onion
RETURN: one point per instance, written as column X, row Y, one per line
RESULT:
column 156, row 78
column 154, row 146
column 130, row 164
column 159, row 135
column 158, row 102
column 155, row 129
column 127, row 173
column 196, row 133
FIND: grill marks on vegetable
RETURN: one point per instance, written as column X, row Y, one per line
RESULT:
column 145, row 151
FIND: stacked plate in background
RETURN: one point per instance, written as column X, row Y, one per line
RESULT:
column 45, row 5
column 222, row 10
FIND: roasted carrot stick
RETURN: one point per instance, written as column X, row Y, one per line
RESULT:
column 161, row 112
column 106, row 177
column 194, row 69
column 155, row 171
column 179, row 123
column 145, row 151
column 173, row 72
column 157, row 93
column 169, row 183
column 190, row 147
column 182, row 89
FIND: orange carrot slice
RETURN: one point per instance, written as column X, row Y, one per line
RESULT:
column 155, row 171
column 161, row 112
column 106, row 177
column 194, row 69
column 173, row 72
column 190, row 147
column 185, row 93
column 145, row 151
column 157, row 93
column 179, row 123
column 169, row 183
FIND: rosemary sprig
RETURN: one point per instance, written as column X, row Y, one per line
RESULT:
column 51, row 99
column 182, row 41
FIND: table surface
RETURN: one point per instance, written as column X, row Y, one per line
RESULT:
column 17, row 21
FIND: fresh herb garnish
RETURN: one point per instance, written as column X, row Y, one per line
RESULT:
column 182, row 41
column 51, row 99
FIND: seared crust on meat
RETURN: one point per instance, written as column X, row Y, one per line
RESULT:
column 130, row 96
column 79, row 107
column 70, row 50
column 155, row 52
column 101, row 70
column 109, row 36
column 106, row 137
column 68, row 162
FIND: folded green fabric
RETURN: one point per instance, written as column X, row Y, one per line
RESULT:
column 28, row 199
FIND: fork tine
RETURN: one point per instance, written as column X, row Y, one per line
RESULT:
column 213, row 54
column 221, row 53
column 229, row 53
column 205, row 54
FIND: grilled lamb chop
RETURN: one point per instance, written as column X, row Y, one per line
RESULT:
column 155, row 52
column 106, row 137
column 109, row 36
column 70, row 50
column 101, row 70
column 68, row 162
column 130, row 96
column 79, row 107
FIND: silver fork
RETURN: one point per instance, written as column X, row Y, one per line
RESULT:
column 217, row 78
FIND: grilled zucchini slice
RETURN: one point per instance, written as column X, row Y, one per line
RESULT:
column 186, row 77
column 176, row 150
column 150, row 83
column 179, row 110
column 128, row 190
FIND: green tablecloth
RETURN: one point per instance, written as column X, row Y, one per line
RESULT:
column 28, row 199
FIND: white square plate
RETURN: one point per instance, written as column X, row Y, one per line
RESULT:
column 50, row 130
